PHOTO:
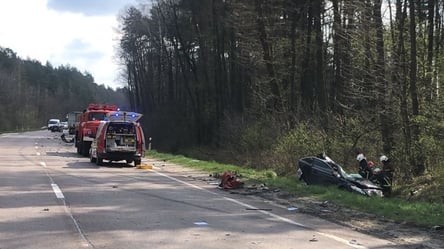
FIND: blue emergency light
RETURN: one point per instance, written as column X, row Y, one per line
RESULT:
column 124, row 116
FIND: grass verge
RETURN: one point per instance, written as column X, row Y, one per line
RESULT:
column 419, row 213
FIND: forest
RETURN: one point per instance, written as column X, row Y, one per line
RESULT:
column 262, row 83
column 32, row 93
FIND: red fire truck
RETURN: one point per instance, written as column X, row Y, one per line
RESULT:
column 86, row 126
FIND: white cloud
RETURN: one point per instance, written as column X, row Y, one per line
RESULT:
column 86, row 42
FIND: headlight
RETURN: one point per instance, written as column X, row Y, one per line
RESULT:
column 373, row 192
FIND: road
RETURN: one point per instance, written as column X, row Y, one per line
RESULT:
column 52, row 198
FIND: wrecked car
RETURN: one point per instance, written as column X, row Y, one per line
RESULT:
column 321, row 170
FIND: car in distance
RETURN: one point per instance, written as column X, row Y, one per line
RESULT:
column 64, row 125
column 321, row 170
column 54, row 124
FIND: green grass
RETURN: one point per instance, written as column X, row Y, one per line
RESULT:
column 422, row 213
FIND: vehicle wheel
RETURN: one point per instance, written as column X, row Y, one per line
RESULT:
column 137, row 162
column 85, row 148
column 129, row 161
column 79, row 147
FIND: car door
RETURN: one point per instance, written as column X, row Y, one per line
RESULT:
column 323, row 173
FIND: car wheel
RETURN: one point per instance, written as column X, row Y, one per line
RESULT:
column 85, row 148
column 79, row 147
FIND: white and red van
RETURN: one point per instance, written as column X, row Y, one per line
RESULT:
column 119, row 137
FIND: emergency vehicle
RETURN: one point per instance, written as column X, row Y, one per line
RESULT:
column 119, row 137
column 87, row 123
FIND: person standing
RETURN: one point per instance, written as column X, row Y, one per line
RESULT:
column 364, row 169
column 387, row 168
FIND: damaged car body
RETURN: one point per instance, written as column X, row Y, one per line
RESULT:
column 321, row 170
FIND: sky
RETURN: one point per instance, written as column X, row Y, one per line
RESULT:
column 79, row 33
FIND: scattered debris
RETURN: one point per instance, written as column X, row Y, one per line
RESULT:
column 229, row 180
column 324, row 204
column 46, row 209
column 353, row 242
column 201, row 223
column 67, row 140
column 215, row 175
column 144, row 166
column 262, row 209
column 313, row 239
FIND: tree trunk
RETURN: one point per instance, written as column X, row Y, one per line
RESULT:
column 276, row 101
column 417, row 156
column 429, row 72
column 336, row 89
column 319, row 76
column 384, row 103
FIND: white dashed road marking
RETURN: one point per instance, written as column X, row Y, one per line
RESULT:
column 57, row 191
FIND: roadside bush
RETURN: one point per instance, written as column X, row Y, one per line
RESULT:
column 303, row 140
column 340, row 141
column 257, row 136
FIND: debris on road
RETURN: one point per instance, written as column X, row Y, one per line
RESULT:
column 144, row 166
column 229, row 180
column 259, row 209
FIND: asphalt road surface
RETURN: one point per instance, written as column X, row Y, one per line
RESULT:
column 50, row 197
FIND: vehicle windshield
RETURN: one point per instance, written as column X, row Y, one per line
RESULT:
column 343, row 173
column 53, row 122
column 97, row 116
column 338, row 168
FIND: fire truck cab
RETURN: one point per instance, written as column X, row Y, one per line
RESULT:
column 119, row 137
column 87, row 123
